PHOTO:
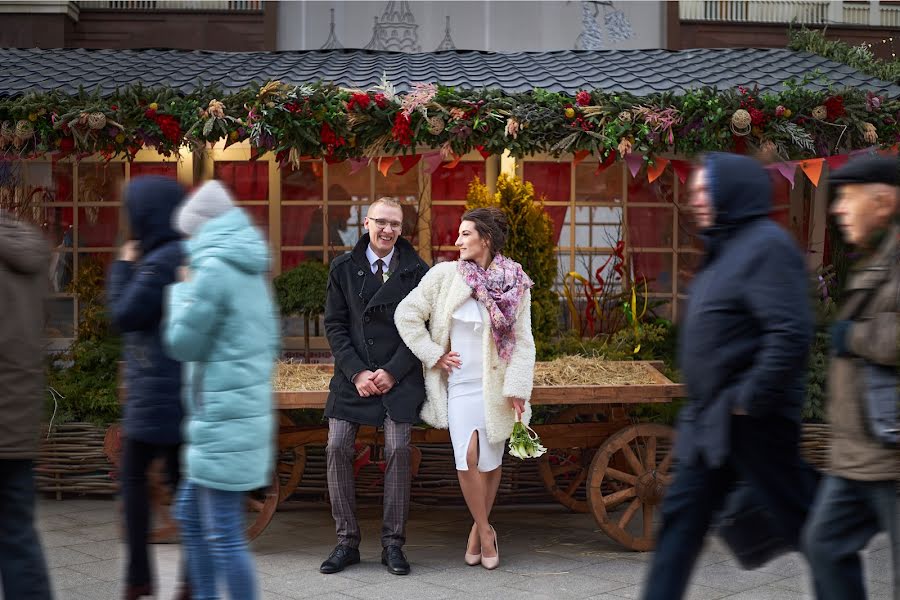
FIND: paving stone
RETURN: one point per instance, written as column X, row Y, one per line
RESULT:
column 617, row 569
column 695, row 592
column 726, row 577
column 64, row 557
column 63, row 578
column 570, row 585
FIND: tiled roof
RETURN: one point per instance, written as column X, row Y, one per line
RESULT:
column 640, row 72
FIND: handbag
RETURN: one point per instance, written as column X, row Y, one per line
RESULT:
column 748, row 529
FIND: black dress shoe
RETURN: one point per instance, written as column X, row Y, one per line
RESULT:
column 339, row 559
column 392, row 556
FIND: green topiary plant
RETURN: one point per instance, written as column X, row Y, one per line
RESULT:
column 302, row 291
column 530, row 243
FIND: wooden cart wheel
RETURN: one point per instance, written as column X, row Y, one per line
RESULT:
column 291, row 464
column 647, row 450
column 564, row 471
column 261, row 506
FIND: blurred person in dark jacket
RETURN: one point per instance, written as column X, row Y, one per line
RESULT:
column 153, row 408
column 24, row 259
column 743, row 349
column 858, row 497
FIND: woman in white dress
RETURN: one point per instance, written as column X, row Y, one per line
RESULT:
column 469, row 322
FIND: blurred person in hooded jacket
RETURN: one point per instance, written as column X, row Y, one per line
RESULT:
column 743, row 350
column 222, row 321
column 24, row 259
column 152, row 412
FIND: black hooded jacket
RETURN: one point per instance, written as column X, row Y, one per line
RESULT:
column 745, row 338
column 134, row 296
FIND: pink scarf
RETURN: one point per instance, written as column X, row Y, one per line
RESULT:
column 500, row 289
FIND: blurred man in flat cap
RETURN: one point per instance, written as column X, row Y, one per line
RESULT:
column 858, row 497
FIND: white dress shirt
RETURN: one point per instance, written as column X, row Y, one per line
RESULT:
column 373, row 258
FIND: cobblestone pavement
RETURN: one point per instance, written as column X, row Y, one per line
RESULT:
column 546, row 552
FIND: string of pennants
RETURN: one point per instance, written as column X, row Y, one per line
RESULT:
column 811, row 167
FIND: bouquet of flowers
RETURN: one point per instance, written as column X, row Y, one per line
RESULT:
column 524, row 442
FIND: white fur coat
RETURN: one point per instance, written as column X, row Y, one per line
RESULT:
column 441, row 291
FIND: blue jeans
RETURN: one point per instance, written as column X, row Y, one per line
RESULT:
column 212, row 534
column 845, row 516
column 22, row 565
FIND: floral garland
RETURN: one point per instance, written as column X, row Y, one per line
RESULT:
column 325, row 121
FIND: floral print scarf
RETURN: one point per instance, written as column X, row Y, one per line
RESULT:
column 500, row 289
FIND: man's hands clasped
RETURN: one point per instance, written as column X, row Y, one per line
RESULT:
column 373, row 383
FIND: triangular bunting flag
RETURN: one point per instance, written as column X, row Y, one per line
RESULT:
column 357, row 163
column 384, row 164
column 452, row 164
column 787, row 170
column 682, row 168
column 408, row 162
column 580, row 155
column 634, row 162
column 837, row 161
column 432, row 161
column 484, row 153
column 813, row 169
column 656, row 169
column 607, row 163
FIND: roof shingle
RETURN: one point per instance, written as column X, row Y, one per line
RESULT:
column 640, row 72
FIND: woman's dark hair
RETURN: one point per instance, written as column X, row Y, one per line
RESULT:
column 491, row 225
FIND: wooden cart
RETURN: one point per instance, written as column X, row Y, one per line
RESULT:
column 598, row 459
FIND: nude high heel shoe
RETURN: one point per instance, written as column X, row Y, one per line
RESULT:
column 473, row 560
column 492, row 562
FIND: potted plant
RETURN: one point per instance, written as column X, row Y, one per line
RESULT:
column 301, row 292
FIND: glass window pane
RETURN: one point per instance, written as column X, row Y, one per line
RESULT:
column 688, row 263
column 302, row 183
column 591, row 186
column 445, row 222
column 344, row 224
column 260, row 215
column 597, row 227
column 302, row 225
column 649, row 227
column 655, row 268
column 453, row 184
column 248, row 180
column 98, row 226
column 165, row 169
column 344, row 186
column 550, row 179
column 559, row 216
column 100, row 182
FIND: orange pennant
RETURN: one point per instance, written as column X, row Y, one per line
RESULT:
column 656, row 169
column 385, row 163
column 453, row 163
column 580, row 155
column 813, row 169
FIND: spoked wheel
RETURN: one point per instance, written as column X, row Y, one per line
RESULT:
column 261, row 506
column 291, row 464
column 646, row 450
column 564, row 471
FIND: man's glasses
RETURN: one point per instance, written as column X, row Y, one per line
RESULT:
column 384, row 224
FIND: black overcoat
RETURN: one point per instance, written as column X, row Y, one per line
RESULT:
column 359, row 323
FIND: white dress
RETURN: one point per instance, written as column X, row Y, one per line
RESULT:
column 465, row 394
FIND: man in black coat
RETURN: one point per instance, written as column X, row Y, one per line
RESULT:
column 377, row 379
column 743, row 351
